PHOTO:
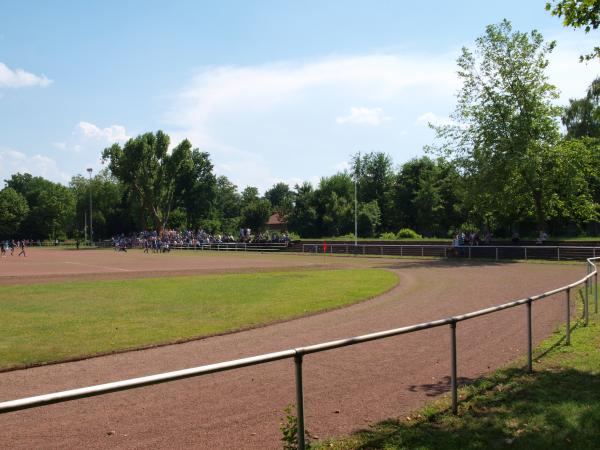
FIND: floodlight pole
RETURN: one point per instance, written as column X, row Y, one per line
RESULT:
column 89, row 170
column 355, row 215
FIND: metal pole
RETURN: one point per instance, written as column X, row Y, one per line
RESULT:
column 355, row 214
column 529, row 339
column 558, row 253
column 525, row 253
column 568, row 331
column 453, row 385
column 596, row 296
column 496, row 253
column 89, row 170
column 445, row 252
column 299, row 401
column 586, row 307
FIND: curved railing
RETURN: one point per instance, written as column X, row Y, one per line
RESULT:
column 298, row 353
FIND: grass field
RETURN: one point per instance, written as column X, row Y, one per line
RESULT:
column 51, row 322
column 557, row 407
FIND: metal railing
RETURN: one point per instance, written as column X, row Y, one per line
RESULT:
column 300, row 352
column 497, row 252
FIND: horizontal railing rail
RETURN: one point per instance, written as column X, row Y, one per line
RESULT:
column 497, row 252
column 298, row 353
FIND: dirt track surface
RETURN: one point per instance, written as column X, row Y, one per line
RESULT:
column 345, row 389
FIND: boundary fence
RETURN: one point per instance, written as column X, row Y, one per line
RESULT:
column 547, row 252
column 299, row 353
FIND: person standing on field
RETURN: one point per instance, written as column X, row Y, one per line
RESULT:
column 22, row 246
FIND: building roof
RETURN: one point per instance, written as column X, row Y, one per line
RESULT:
column 275, row 219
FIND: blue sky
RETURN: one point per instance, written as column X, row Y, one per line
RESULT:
column 273, row 90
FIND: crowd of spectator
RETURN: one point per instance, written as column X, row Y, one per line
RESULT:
column 163, row 242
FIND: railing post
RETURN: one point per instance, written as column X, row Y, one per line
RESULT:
column 422, row 251
column 401, row 250
column 382, row 250
column 568, row 331
column 586, row 307
column 453, row 381
column 496, row 253
column 445, row 252
column 469, row 252
column 525, row 253
column 596, row 291
column 299, row 401
column 529, row 338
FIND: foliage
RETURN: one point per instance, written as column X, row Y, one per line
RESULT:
column 407, row 233
column 504, row 129
column 578, row 14
column 388, row 235
column 51, row 206
column 289, row 430
column 13, row 210
column 582, row 116
column 149, row 173
column 281, row 198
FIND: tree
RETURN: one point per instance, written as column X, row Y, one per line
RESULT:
column 195, row 189
column 13, row 210
column 582, row 116
column 369, row 219
column 255, row 214
column 375, row 176
column 578, row 14
column 146, row 169
column 110, row 214
column 303, row 218
column 51, row 206
column 281, row 198
column 226, row 206
column 504, row 126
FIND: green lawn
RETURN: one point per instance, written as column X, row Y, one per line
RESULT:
column 50, row 322
column 557, row 407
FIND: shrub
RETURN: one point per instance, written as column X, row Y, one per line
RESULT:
column 289, row 431
column 407, row 233
column 388, row 236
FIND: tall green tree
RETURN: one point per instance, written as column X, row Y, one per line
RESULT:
column 13, row 210
column 303, row 218
column 281, row 198
column 51, row 206
column 505, row 123
column 375, row 175
column 145, row 167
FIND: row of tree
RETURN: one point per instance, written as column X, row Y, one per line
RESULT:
column 501, row 165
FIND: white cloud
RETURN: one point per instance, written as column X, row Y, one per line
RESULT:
column 20, row 78
column 13, row 161
column 364, row 115
column 277, row 117
column 112, row 134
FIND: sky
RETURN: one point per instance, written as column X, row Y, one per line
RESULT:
column 273, row 90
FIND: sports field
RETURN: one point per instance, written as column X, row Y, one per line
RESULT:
column 344, row 389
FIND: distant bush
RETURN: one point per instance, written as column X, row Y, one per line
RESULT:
column 348, row 236
column 407, row 233
column 293, row 236
column 388, row 236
